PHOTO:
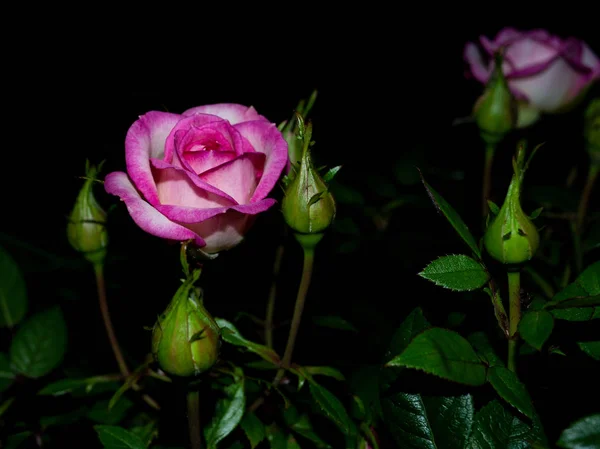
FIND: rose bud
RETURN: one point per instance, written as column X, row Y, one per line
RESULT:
column 512, row 238
column 86, row 229
column 592, row 130
column 496, row 111
column 308, row 206
column 186, row 338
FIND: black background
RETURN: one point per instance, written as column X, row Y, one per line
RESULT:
column 389, row 80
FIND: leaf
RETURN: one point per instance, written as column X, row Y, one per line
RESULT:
column 4, row 406
column 422, row 422
column 582, row 434
column 324, row 371
column 413, row 324
column 536, row 213
column 14, row 441
column 228, row 411
column 591, row 348
column 456, row 272
column 443, row 353
column 332, row 407
column 64, row 419
column 276, row 437
column 231, row 335
column 114, row 437
column 300, row 423
column 509, row 387
column 102, row 413
column 331, row 173
column 7, row 376
column 65, row 386
column 495, row 428
column 254, row 428
column 535, row 327
column 576, row 314
column 484, row 349
column 334, row 322
column 13, row 293
column 588, row 301
column 494, row 209
column 452, row 216
column 40, row 343
column 587, row 284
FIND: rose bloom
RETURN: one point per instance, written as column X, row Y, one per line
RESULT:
column 201, row 175
column 545, row 72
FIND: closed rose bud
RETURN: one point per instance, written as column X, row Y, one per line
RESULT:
column 512, row 238
column 86, row 228
column 592, row 130
column 308, row 207
column 186, row 338
column 496, row 111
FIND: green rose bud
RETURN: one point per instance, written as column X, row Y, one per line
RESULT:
column 591, row 130
column 86, row 229
column 512, row 238
column 186, row 338
column 496, row 111
column 308, row 207
column 289, row 129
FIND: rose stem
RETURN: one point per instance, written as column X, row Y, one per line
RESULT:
column 585, row 196
column 514, row 292
column 193, row 414
column 101, row 287
column 272, row 295
column 490, row 149
column 307, row 269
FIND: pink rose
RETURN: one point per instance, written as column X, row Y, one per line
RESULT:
column 201, row 175
column 544, row 71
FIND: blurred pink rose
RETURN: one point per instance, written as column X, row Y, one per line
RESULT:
column 544, row 71
column 201, row 175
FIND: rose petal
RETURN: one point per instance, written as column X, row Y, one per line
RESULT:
column 176, row 187
column 181, row 129
column 266, row 139
column 237, row 177
column 589, row 59
column 145, row 139
column 146, row 216
column 234, row 113
column 472, row 56
column 160, row 165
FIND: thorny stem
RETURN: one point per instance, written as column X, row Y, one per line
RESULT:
column 110, row 332
column 514, row 292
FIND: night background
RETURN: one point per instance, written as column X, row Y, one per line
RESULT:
column 388, row 98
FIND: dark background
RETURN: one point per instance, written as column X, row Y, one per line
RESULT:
column 389, row 86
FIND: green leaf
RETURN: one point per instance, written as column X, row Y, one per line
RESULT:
column 332, row 407
column 456, row 272
column 64, row 386
column 254, row 429
column 7, row 376
column 14, row 441
column 13, row 294
column 588, row 301
column 582, row 434
column 535, row 327
column 509, row 387
column 333, row 322
column 40, row 343
column 324, row 371
column 102, row 413
column 300, row 423
column 591, row 348
column 422, row 422
column 452, row 216
column 228, row 411
column 413, row 325
column 64, row 419
column 231, row 335
column 576, row 314
column 536, row 213
column 114, row 437
column 494, row 209
column 484, row 349
column 276, row 437
column 586, row 285
column 495, row 428
column 331, row 173
column 443, row 353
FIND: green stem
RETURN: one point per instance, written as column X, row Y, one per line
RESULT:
column 514, row 292
column 110, row 331
column 490, row 150
column 307, row 269
column 585, row 196
column 272, row 295
column 193, row 414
